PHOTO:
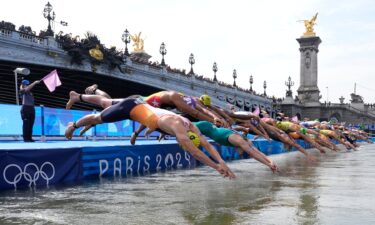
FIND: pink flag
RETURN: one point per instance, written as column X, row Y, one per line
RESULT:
column 52, row 81
column 295, row 119
column 256, row 111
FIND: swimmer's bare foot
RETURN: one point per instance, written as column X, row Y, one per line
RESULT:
column 90, row 90
column 69, row 131
column 73, row 98
column 161, row 137
column 84, row 129
column 133, row 138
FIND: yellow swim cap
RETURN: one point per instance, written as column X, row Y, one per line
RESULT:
column 205, row 99
column 194, row 138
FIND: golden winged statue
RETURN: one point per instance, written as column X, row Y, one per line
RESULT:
column 138, row 42
column 309, row 25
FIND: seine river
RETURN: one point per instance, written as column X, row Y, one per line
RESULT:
column 338, row 189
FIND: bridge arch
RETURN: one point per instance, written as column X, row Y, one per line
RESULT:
column 335, row 115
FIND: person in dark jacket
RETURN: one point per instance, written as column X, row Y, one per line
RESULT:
column 27, row 109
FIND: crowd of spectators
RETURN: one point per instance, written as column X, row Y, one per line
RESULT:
column 7, row 26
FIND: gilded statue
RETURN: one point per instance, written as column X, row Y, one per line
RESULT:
column 138, row 42
column 309, row 25
column 96, row 53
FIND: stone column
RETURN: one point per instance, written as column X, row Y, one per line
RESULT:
column 308, row 91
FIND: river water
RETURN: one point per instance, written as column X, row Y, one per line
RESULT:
column 338, row 189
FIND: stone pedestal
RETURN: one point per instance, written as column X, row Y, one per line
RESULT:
column 143, row 56
column 288, row 100
column 308, row 91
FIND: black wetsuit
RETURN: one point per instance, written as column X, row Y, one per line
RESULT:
column 121, row 110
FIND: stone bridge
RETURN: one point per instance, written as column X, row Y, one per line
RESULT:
column 18, row 49
column 325, row 112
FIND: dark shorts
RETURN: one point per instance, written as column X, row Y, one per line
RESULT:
column 349, row 139
column 119, row 111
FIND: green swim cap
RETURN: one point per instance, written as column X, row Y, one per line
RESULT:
column 194, row 138
column 303, row 130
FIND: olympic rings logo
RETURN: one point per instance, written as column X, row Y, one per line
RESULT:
column 30, row 172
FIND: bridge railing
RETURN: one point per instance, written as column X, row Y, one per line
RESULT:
column 350, row 108
column 23, row 37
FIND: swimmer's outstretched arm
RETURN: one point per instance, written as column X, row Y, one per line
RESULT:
column 217, row 120
column 264, row 132
column 244, row 117
column 258, row 155
column 187, row 145
column 212, row 151
column 218, row 117
column 237, row 141
column 222, row 113
column 183, row 107
column 247, row 127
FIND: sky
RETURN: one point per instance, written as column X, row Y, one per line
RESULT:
column 254, row 37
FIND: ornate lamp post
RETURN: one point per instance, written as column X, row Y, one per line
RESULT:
column 265, row 87
column 251, row 83
column 214, row 68
column 289, row 84
column 23, row 71
column 191, row 61
column 126, row 39
column 234, row 78
column 47, row 14
column 163, row 52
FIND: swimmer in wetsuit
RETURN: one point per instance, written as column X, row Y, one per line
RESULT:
column 162, row 99
column 188, row 105
column 227, row 137
column 138, row 110
column 233, row 117
column 289, row 127
column 332, row 134
column 279, row 135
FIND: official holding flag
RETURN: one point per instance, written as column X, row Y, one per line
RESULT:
column 51, row 81
column 27, row 109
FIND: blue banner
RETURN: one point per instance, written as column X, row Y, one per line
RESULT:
column 30, row 168
column 53, row 122
column 10, row 120
column 133, row 160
